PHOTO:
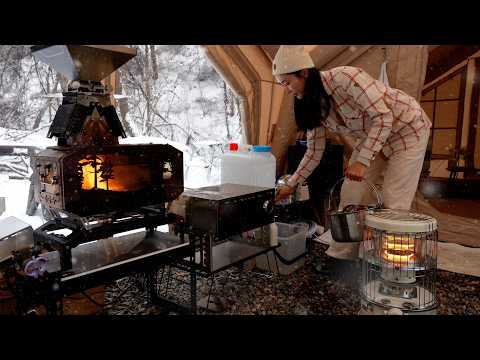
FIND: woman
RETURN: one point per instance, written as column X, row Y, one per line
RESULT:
column 390, row 127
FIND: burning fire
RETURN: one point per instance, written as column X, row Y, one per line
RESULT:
column 113, row 174
column 398, row 249
column 398, row 257
column 98, row 174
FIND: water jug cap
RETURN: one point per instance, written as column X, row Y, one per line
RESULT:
column 233, row 147
column 261, row 148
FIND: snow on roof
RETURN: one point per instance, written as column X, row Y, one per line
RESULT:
column 25, row 138
column 41, row 141
column 154, row 140
column 207, row 143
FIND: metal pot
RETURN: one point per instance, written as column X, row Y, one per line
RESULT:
column 282, row 182
column 347, row 225
column 301, row 192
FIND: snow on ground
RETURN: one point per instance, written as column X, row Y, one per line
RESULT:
column 196, row 174
column 16, row 195
column 26, row 138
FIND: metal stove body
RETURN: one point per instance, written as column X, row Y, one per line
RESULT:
column 95, row 180
column 221, row 220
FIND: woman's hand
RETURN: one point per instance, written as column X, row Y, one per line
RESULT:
column 283, row 192
column 356, row 171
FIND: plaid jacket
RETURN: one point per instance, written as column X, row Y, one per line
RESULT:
column 380, row 118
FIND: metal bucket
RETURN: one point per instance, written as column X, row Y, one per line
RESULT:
column 346, row 225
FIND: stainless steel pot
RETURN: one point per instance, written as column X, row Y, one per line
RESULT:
column 300, row 194
column 346, row 225
column 282, row 182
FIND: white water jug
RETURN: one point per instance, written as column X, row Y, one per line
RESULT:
column 256, row 167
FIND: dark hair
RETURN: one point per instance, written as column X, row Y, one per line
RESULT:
column 313, row 108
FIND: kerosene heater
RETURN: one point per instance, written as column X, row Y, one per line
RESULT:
column 399, row 262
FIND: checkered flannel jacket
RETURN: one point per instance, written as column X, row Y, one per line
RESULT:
column 379, row 117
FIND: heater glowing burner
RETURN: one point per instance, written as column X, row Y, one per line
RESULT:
column 399, row 250
column 391, row 243
column 399, row 258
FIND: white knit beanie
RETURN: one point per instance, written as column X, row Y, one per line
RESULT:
column 291, row 58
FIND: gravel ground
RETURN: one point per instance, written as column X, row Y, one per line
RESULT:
column 304, row 292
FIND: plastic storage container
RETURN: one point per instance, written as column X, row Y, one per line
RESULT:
column 256, row 167
column 292, row 238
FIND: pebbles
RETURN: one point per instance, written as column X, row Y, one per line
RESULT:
column 458, row 294
column 304, row 292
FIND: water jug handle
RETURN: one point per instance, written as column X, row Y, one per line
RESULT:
column 372, row 187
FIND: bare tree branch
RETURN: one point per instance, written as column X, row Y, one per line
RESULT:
column 4, row 166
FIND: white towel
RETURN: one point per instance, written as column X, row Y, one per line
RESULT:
column 343, row 251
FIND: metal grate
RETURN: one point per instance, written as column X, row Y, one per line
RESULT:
column 401, row 216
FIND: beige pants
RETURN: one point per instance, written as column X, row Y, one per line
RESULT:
column 400, row 181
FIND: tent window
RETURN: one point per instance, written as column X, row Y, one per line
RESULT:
column 443, row 104
column 473, row 146
column 429, row 95
column 476, row 135
column 450, row 89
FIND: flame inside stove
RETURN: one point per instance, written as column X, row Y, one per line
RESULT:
column 113, row 173
column 95, row 174
column 399, row 249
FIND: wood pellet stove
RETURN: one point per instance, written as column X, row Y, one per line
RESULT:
column 95, row 186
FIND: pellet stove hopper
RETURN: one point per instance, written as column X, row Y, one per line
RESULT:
column 96, row 186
